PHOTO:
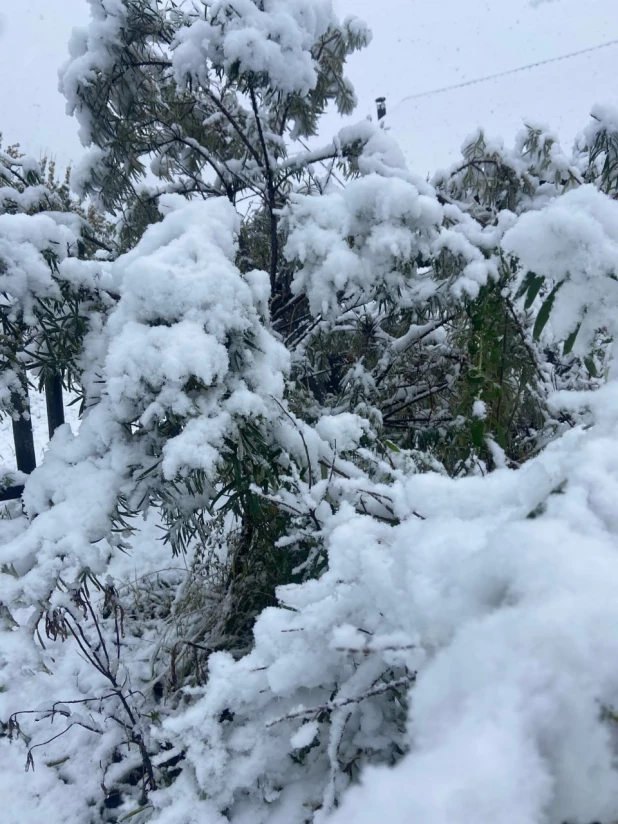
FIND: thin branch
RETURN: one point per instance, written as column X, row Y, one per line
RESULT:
column 416, row 399
column 302, row 437
column 429, row 329
column 96, row 242
column 524, row 339
column 337, row 703
column 235, row 125
column 272, row 196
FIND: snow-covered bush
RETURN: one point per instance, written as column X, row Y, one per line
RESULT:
column 497, row 604
column 310, row 526
column 512, row 715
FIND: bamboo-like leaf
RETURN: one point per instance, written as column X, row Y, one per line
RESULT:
column 477, row 432
column 525, row 284
column 570, row 341
column 545, row 311
column 591, row 367
column 136, row 812
column 533, row 290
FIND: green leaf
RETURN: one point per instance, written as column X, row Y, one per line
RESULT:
column 392, row 446
column 526, row 283
column 537, row 511
column 474, row 376
column 570, row 341
column 533, row 290
column 58, row 762
column 591, row 367
column 135, row 812
column 545, row 312
column 477, row 432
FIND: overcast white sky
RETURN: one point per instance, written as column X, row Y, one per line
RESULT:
column 418, row 45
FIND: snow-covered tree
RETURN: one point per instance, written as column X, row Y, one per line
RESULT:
column 256, row 572
column 203, row 98
column 45, row 298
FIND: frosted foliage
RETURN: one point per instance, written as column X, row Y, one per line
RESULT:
column 43, row 794
column 363, row 242
column 508, row 620
column 79, row 475
column 29, row 200
column 185, row 309
column 185, row 339
column 352, row 242
column 91, row 52
column 24, row 271
column 34, row 263
column 573, row 242
column 274, row 38
column 603, row 117
column 443, row 649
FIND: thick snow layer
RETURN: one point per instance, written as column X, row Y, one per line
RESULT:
column 185, row 339
column 573, row 242
column 504, row 722
column 90, row 52
column 503, row 600
column 387, row 218
column 274, row 38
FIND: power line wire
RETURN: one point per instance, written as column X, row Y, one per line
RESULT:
column 505, row 73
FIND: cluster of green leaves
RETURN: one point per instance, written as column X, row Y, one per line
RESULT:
column 221, row 133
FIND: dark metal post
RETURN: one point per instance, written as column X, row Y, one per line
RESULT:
column 381, row 105
column 55, row 406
